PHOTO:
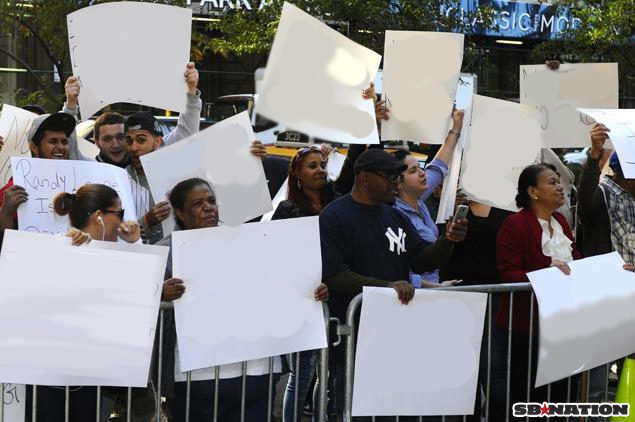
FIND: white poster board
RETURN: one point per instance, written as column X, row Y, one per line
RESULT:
column 442, row 379
column 421, row 73
column 314, row 81
column 220, row 154
column 43, row 179
column 87, row 148
column 584, row 322
column 464, row 97
column 502, row 140
column 281, row 195
column 14, row 402
column 557, row 94
column 237, row 305
column 14, row 128
column 622, row 125
column 152, row 49
column 92, row 325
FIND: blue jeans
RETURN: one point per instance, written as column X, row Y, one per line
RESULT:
column 308, row 364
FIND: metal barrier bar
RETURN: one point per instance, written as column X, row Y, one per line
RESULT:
column 296, row 399
column 129, row 406
column 350, row 345
column 67, row 403
column 98, row 404
column 216, row 389
column 269, row 393
column 323, row 370
column 34, row 404
column 243, row 390
column 187, row 396
column 489, row 356
column 1, row 402
column 509, row 357
column 159, row 365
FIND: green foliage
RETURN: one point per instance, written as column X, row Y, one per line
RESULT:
column 45, row 22
column 605, row 34
column 243, row 31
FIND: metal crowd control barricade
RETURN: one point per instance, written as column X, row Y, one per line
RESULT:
column 511, row 289
column 321, row 415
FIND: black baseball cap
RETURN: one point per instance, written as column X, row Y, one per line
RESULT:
column 378, row 160
column 58, row 122
column 142, row 120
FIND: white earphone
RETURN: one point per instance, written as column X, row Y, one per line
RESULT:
column 103, row 227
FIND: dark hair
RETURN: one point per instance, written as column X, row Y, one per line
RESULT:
column 401, row 154
column 295, row 193
column 34, row 108
column 108, row 118
column 179, row 192
column 529, row 177
column 80, row 205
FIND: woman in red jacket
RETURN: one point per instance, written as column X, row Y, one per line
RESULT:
column 536, row 237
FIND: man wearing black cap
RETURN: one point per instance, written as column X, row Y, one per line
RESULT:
column 366, row 242
column 49, row 137
column 607, row 206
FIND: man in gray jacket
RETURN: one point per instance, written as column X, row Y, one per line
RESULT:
column 143, row 136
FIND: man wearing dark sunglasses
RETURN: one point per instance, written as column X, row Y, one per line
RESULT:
column 366, row 242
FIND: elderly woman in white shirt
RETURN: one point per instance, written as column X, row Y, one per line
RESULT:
column 534, row 238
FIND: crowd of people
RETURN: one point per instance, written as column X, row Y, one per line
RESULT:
column 375, row 230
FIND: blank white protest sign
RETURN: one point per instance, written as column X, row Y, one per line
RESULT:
column 421, row 73
column 464, row 98
column 586, row 318
column 314, row 80
column 239, row 304
column 406, row 367
column 220, row 154
column 556, row 94
column 622, row 125
column 89, row 323
column 14, row 125
column 152, row 45
column 502, row 140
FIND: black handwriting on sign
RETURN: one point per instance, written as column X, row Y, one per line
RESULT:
column 54, row 181
column 11, row 395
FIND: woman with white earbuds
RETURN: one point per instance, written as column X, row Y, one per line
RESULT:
column 95, row 213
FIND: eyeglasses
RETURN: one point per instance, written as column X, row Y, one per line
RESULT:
column 392, row 178
column 118, row 213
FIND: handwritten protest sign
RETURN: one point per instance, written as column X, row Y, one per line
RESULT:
column 43, row 179
column 14, row 125
column 556, row 94
column 14, row 402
